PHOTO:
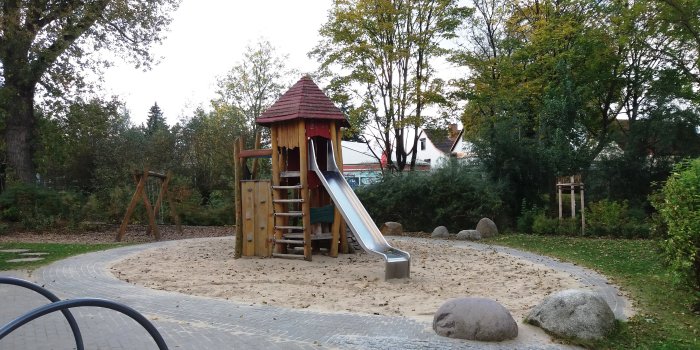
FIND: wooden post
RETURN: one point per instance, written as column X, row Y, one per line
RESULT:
column 583, row 212
column 304, row 191
column 335, row 229
column 132, row 205
column 238, row 171
column 278, row 207
column 171, row 203
column 159, row 200
column 344, row 247
column 559, row 195
column 254, row 171
column 149, row 211
column 573, row 199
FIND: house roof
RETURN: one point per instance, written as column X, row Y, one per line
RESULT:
column 303, row 100
column 441, row 139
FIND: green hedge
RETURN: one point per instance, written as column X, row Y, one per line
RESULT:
column 455, row 196
column 680, row 210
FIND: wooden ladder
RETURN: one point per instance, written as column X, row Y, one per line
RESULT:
column 288, row 209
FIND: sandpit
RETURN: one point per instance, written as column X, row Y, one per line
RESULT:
column 349, row 283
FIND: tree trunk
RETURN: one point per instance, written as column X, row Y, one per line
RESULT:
column 18, row 105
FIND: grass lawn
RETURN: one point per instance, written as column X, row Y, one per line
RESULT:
column 663, row 319
column 55, row 251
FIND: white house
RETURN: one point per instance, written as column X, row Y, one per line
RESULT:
column 434, row 148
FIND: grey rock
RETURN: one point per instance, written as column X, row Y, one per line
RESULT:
column 572, row 313
column 474, row 318
column 487, row 228
column 440, row 232
column 469, row 235
column 391, row 228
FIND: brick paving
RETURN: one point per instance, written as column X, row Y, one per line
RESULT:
column 192, row 322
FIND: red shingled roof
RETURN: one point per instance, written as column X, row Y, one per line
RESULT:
column 303, row 100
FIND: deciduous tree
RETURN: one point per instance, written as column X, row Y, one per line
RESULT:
column 381, row 53
column 46, row 44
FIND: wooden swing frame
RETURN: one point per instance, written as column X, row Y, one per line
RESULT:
column 151, row 211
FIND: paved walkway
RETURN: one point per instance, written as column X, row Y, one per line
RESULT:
column 191, row 322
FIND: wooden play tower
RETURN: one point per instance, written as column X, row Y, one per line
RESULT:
column 291, row 215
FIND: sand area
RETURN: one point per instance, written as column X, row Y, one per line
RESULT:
column 349, row 283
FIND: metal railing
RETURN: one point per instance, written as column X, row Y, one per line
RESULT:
column 64, row 306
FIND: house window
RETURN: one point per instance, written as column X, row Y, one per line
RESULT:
column 422, row 144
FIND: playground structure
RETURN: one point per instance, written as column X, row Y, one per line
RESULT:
column 307, row 202
column 152, row 211
column 573, row 183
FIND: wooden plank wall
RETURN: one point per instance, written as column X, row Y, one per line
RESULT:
column 257, row 218
column 263, row 219
column 287, row 134
column 248, row 203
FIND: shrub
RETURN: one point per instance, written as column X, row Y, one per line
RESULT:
column 616, row 219
column 569, row 227
column 542, row 225
column 527, row 217
column 455, row 196
column 680, row 211
column 36, row 208
column 219, row 211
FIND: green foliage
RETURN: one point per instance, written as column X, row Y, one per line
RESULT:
column 615, row 219
column 543, row 225
column 34, row 208
column 527, row 217
column 253, row 85
column 48, row 47
column 454, row 196
column 156, row 120
column 218, row 212
column 680, row 210
column 380, row 57
column 547, row 86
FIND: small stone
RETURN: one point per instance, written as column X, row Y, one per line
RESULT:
column 440, row 232
column 474, row 318
column 391, row 228
column 487, row 228
column 13, row 250
column 469, row 235
column 24, row 260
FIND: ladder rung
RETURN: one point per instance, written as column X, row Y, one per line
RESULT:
column 290, row 174
column 289, row 241
column 297, row 213
column 289, row 227
column 299, row 200
column 294, row 187
column 288, row 256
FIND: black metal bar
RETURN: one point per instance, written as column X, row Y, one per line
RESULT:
column 67, row 304
column 53, row 298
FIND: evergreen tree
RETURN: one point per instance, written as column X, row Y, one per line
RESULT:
column 156, row 120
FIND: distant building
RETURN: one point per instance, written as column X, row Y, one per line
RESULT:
column 434, row 148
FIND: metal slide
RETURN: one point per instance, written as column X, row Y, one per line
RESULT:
column 398, row 262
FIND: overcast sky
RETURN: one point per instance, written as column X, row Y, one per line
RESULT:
column 206, row 39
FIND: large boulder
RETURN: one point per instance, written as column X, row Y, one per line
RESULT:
column 440, row 232
column 391, row 228
column 474, row 319
column 574, row 314
column 487, row 228
column 469, row 235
